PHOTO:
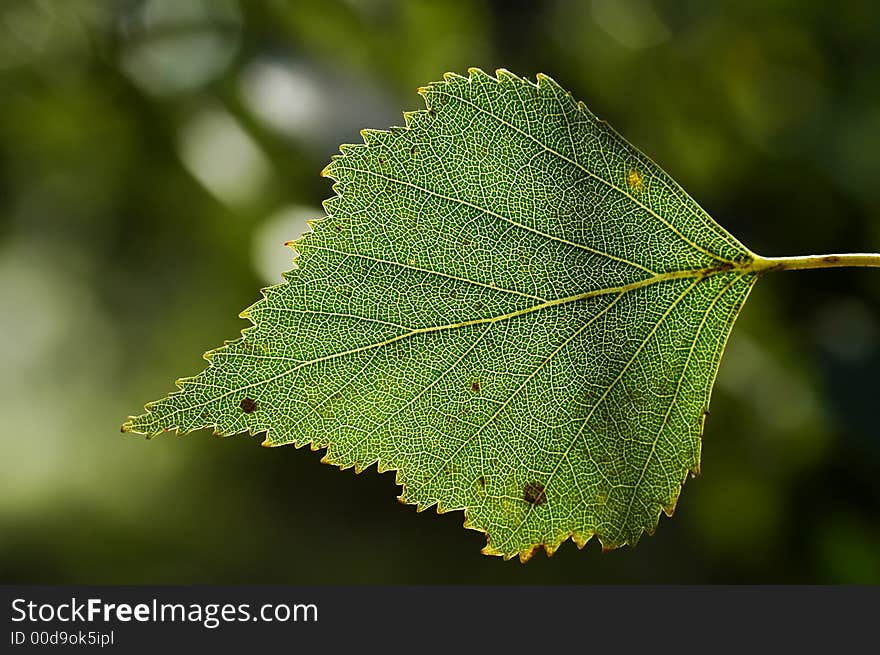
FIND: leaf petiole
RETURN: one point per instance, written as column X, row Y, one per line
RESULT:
column 765, row 264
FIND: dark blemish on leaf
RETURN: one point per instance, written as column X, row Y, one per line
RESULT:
column 831, row 259
column 381, row 160
column 533, row 493
column 412, row 150
column 701, row 421
column 248, row 405
column 720, row 268
column 475, row 386
column 338, row 228
column 482, row 481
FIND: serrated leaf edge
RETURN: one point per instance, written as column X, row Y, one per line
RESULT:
column 370, row 136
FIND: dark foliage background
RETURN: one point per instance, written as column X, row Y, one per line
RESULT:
column 155, row 155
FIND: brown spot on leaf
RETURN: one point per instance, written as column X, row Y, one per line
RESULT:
column 533, row 493
column 701, row 421
column 720, row 268
column 248, row 405
column 482, row 481
column 831, row 259
column 412, row 150
column 381, row 160
column 475, row 386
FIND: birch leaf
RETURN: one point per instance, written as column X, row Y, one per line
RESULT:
column 509, row 305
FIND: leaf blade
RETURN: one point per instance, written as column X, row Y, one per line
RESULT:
column 449, row 340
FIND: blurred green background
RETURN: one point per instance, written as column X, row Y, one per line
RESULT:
column 156, row 154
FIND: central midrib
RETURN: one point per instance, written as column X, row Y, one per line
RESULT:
column 740, row 268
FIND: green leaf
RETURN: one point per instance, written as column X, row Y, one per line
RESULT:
column 509, row 305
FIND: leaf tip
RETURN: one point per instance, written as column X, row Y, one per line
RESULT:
column 546, row 82
column 372, row 137
column 580, row 540
column 488, row 549
column 549, row 550
column 505, row 76
column 409, row 117
column 668, row 509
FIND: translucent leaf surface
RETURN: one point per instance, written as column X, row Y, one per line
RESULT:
column 509, row 305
